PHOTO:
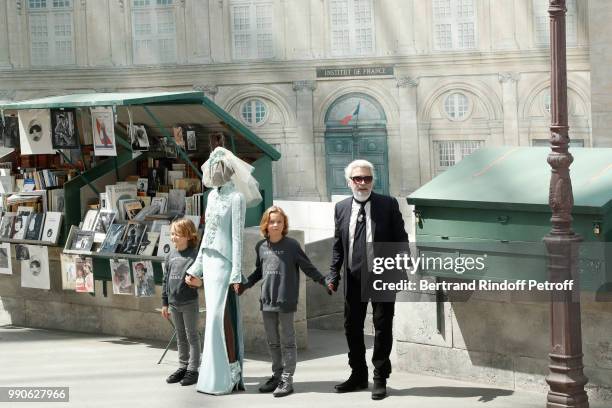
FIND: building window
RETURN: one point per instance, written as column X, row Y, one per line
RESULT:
column 254, row 112
column 352, row 27
column 154, row 31
column 542, row 22
column 454, row 24
column 51, row 32
column 252, row 29
column 456, row 106
column 452, row 152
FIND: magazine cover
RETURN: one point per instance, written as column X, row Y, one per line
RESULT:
column 144, row 282
column 122, row 280
column 6, row 267
column 6, row 224
column 139, row 138
column 9, row 129
column 89, row 221
column 20, row 224
column 35, row 132
column 84, row 281
column 35, row 270
column 68, row 271
column 63, row 129
column 103, row 128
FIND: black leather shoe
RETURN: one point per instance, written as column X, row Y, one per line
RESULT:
column 379, row 390
column 190, row 378
column 270, row 384
column 176, row 376
column 354, row 383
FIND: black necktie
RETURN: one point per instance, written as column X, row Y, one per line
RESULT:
column 359, row 242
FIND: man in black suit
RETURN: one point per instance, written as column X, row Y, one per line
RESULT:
column 365, row 217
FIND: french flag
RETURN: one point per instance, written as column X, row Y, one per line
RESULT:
column 345, row 120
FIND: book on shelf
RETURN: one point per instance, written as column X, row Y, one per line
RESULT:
column 89, row 221
column 114, row 238
column 21, row 223
column 82, row 240
column 176, row 201
column 165, row 244
column 133, row 236
column 148, row 243
column 6, row 224
column 51, row 229
column 103, row 222
column 116, row 192
column 35, row 227
column 131, row 208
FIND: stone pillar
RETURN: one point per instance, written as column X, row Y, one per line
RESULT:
column 120, row 37
column 210, row 91
column 318, row 27
column 510, row 105
column 404, row 22
column 80, row 37
column 197, row 32
column 19, row 48
column 502, row 19
column 409, row 135
column 180, row 28
column 5, row 57
column 304, row 146
column 600, row 32
column 98, row 36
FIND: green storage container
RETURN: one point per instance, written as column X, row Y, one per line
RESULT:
column 495, row 202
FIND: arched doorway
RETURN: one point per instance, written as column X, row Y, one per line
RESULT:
column 355, row 128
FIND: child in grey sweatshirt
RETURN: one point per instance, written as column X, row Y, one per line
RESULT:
column 279, row 259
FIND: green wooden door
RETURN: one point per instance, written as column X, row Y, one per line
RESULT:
column 355, row 129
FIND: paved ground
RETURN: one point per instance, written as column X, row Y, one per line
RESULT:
column 108, row 371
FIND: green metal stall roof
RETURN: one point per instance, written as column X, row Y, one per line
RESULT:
column 196, row 106
column 518, row 178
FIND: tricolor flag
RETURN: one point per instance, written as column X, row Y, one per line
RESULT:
column 345, row 120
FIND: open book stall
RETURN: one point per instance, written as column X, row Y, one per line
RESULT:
column 142, row 173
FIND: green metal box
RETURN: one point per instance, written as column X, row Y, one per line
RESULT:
column 495, row 202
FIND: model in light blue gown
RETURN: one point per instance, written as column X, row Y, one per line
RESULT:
column 219, row 265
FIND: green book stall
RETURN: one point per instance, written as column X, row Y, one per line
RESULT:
column 137, row 168
column 494, row 204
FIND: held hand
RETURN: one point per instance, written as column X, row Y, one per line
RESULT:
column 192, row 281
column 238, row 288
column 164, row 312
column 332, row 287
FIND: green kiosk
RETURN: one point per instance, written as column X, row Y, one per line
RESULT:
column 495, row 202
column 159, row 112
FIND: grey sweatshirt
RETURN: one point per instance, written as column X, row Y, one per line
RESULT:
column 174, row 289
column 278, row 265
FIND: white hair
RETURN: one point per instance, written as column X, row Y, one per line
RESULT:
column 348, row 170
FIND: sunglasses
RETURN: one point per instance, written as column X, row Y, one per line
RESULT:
column 362, row 179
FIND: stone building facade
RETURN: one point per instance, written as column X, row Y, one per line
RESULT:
column 444, row 77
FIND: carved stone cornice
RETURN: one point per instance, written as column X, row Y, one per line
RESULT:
column 207, row 89
column 305, row 85
column 508, row 76
column 407, row 82
column 7, row 94
column 19, row 5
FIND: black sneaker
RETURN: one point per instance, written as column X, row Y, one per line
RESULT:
column 176, row 376
column 270, row 384
column 190, row 378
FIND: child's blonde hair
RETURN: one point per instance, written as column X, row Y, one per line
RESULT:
column 184, row 227
column 265, row 219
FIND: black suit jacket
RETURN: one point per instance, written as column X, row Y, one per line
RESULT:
column 387, row 226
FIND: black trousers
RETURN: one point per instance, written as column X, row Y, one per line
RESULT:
column 354, row 317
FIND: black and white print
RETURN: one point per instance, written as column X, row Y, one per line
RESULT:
column 64, row 132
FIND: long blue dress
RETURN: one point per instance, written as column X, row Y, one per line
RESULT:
column 219, row 265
